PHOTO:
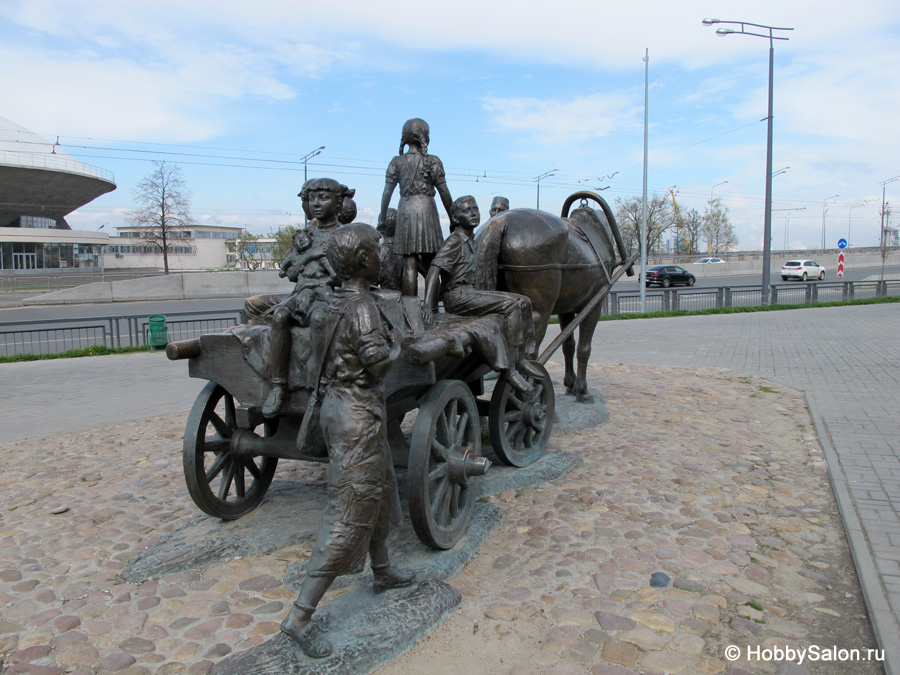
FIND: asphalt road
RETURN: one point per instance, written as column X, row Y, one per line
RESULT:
column 39, row 313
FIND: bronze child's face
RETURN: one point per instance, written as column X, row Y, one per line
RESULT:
column 467, row 215
column 323, row 205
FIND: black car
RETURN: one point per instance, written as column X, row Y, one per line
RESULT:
column 669, row 275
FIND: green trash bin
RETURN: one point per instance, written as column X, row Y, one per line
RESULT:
column 157, row 331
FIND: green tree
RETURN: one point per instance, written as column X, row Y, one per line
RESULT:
column 660, row 218
column 247, row 251
column 284, row 242
column 718, row 232
column 164, row 205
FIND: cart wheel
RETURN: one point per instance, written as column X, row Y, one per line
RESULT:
column 444, row 452
column 218, row 482
column 520, row 425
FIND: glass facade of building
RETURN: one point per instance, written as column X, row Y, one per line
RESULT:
column 47, row 256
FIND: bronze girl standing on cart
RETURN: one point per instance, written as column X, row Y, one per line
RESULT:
column 418, row 231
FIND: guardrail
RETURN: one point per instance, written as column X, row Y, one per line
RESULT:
column 59, row 335
column 12, row 283
column 693, row 299
column 53, row 336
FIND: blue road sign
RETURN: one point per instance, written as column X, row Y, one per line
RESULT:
column 842, row 243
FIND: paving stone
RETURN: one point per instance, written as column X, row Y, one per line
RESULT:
column 620, row 653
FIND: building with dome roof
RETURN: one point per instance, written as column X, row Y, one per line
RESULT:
column 39, row 186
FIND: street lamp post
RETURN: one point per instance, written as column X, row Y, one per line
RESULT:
column 546, row 174
column 713, row 188
column 308, row 156
column 850, row 217
column 787, row 219
column 767, row 230
column 825, row 201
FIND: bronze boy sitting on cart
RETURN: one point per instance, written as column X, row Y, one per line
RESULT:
column 456, row 259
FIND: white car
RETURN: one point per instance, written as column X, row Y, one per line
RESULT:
column 707, row 261
column 802, row 269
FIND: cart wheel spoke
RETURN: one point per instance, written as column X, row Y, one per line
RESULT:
column 220, row 425
column 454, row 502
column 227, row 479
column 437, row 472
column 513, row 429
column 230, row 418
column 216, row 467
column 461, row 428
column 437, row 501
column 513, row 416
column 239, row 481
column 250, row 465
column 439, row 450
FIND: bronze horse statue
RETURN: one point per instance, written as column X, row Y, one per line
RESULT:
column 562, row 264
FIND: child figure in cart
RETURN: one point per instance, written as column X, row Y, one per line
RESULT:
column 362, row 501
column 456, row 261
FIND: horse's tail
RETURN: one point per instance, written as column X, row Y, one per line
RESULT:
column 487, row 253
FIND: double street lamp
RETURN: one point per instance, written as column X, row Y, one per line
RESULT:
column 850, row 217
column 767, row 231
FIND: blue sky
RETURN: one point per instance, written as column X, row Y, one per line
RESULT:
column 237, row 93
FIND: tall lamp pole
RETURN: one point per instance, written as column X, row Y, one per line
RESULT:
column 767, row 230
column 850, row 217
column 824, row 209
column 713, row 188
column 546, row 174
column 642, row 278
column 309, row 155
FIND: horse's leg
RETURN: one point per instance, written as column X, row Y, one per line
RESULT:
column 568, row 348
column 585, row 335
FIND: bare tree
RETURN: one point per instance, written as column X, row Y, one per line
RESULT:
column 660, row 217
column 691, row 229
column 718, row 232
column 164, row 204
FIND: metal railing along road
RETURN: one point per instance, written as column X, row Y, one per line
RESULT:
column 54, row 336
column 60, row 335
column 797, row 293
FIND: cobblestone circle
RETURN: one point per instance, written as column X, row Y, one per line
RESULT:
column 700, row 516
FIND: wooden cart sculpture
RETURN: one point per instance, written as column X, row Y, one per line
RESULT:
column 230, row 451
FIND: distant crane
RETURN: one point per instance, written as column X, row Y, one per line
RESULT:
column 684, row 242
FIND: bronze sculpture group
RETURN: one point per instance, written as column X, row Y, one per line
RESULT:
column 311, row 368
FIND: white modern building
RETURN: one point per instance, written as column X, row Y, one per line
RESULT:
column 198, row 247
column 39, row 186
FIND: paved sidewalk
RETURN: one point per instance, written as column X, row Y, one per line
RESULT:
column 847, row 360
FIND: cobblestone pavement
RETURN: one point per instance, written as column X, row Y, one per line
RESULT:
column 717, row 494
column 847, row 360
column 64, row 610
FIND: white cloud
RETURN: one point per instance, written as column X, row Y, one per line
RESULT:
column 577, row 119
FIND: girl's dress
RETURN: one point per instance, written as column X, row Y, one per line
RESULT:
column 418, row 225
